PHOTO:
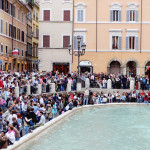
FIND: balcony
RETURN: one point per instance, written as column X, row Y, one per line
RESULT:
column 30, row 2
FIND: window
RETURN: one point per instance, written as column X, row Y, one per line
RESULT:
column 10, row 30
column 80, row 14
column 6, row 28
column 14, row 11
column 115, row 43
column 76, row 44
column 115, row 39
column 18, row 14
column 1, row 26
column 2, row 48
column 46, row 15
column 18, row 34
column 18, row 51
column 132, row 12
column 66, row 15
column 6, row 49
column 46, row 41
column 14, row 32
column 115, row 12
column 22, row 17
column 22, row 36
column 66, row 41
column 132, row 42
column 6, row 9
column 11, row 9
column 22, row 52
column 1, row 4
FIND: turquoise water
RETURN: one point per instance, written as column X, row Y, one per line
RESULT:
column 100, row 128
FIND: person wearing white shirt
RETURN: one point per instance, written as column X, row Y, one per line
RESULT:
column 42, row 120
column 9, row 119
column 41, row 101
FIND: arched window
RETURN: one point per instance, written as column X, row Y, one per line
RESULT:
column 132, row 12
column 115, row 12
column 80, row 12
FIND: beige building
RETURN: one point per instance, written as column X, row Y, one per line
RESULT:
column 35, row 38
column 12, row 35
column 116, row 34
column 55, row 33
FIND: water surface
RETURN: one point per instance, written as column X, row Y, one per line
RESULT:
column 100, row 128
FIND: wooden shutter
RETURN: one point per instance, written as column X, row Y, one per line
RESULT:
column 136, row 16
column 119, row 15
column 66, row 41
column 127, row 43
column 111, row 15
column 80, row 15
column 22, row 36
column 75, row 42
column 120, row 43
column 136, row 43
column 128, row 15
column 66, row 15
column 46, row 15
column 46, row 41
column 0, row 4
column 1, row 26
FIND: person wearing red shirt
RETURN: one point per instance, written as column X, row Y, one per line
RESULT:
column 146, row 99
column 1, row 83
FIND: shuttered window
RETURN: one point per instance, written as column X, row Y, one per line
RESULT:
column 132, row 43
column 46, row 16
column 115, row 15
column 22, row 36
column 14, row 32
column 66, row 15
column 116, row 42
column 1, row 26
column 6, row 28
column 76, row 42
column 132, row 15
column 46, row 41
column 18, row 34
column 80, row 15
column 66, row 41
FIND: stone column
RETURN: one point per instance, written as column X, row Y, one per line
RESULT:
column 78, row 87
column 28, row 90
column 44, row 88
column 17, row 92
column 137, row 71
column 69, row 87
column 109, row 84
column 39, row 90
column 52, row 88
column 124, row 70
column 132, row 84
column 87, row 83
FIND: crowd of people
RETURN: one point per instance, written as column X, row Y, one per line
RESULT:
column 21, row 115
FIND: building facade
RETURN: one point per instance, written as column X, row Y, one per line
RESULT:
column 55, row 33
column 116, row 34
column 12, row 35
column 35, row 37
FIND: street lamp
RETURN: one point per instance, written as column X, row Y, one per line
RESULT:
column 79, row 52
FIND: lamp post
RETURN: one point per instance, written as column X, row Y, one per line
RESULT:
column 79, row 52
